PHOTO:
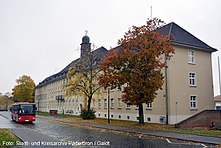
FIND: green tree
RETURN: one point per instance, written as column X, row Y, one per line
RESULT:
column 5, row 101
column 2, row 102
column 82, row 78
column 138, row 63
column 24, row 90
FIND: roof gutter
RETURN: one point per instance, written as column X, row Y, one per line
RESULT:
column 194, row 47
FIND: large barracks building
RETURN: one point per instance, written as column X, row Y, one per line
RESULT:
column 187, row 90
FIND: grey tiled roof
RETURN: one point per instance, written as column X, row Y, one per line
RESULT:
column 184, row 38
column 99, row 53
column 180, row 37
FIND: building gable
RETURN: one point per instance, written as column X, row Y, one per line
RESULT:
column 184, row 38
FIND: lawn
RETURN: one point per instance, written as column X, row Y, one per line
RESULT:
column 152, row 126
column 7, row 138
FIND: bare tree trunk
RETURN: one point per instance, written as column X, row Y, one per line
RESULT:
column 89, row 104
column 141, row 115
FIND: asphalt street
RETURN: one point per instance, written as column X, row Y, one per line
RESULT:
column 54, row 132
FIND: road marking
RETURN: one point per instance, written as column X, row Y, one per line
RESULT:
column 140, row 136
column 168, row 140
column 203, row 145
column 185, row 143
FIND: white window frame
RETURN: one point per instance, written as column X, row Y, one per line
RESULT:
column 192, row 79
column 127, row 105
column 105, row 103
column 119, row 103
column 149, row 105
column 76, row 102
column 112, row 103
column 191, row 57
column 193, row 102
column 99, row 103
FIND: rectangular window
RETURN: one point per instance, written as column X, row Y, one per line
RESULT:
column 128, row 106
column 119, row 87
column 99, row 103
column 191, row 57
column 193, row 102
column 192, row 79
column 76, row 102
column 218, row 107
column 105, row 103
column 150, row 105
column 119, row 103
column 112, row 102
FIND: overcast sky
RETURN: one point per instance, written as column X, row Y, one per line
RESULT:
column 40, row 37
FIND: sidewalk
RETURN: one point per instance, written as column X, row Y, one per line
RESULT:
column 179, row 136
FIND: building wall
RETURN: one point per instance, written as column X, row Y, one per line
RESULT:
column 179, row 92
column 179, row 87
column 45, row 96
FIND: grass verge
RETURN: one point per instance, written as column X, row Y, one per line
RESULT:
column 7, row 138
column 151, row 126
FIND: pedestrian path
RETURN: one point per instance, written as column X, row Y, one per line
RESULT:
column 174, row 135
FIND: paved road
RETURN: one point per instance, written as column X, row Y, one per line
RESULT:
column 86, row 137
column 5, row 123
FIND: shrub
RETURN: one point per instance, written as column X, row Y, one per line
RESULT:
column 88, row 115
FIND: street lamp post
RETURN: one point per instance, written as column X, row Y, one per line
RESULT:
column 108, row 104
column 166, row 92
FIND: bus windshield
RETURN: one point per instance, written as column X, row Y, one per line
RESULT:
column 27, row 109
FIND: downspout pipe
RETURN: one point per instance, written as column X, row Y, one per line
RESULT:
column 166, row 82
column 166, row 92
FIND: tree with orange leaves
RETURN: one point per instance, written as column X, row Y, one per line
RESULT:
column 137, row 64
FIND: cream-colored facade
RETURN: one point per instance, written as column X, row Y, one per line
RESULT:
column 187, row 90
column 180, row 89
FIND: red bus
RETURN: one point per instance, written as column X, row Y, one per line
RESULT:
column 23, row 112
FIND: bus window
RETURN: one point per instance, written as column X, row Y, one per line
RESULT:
column 23, row 112
column 27, row 109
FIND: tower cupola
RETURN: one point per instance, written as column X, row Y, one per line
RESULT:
column 85, row 45
column 85, row 39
